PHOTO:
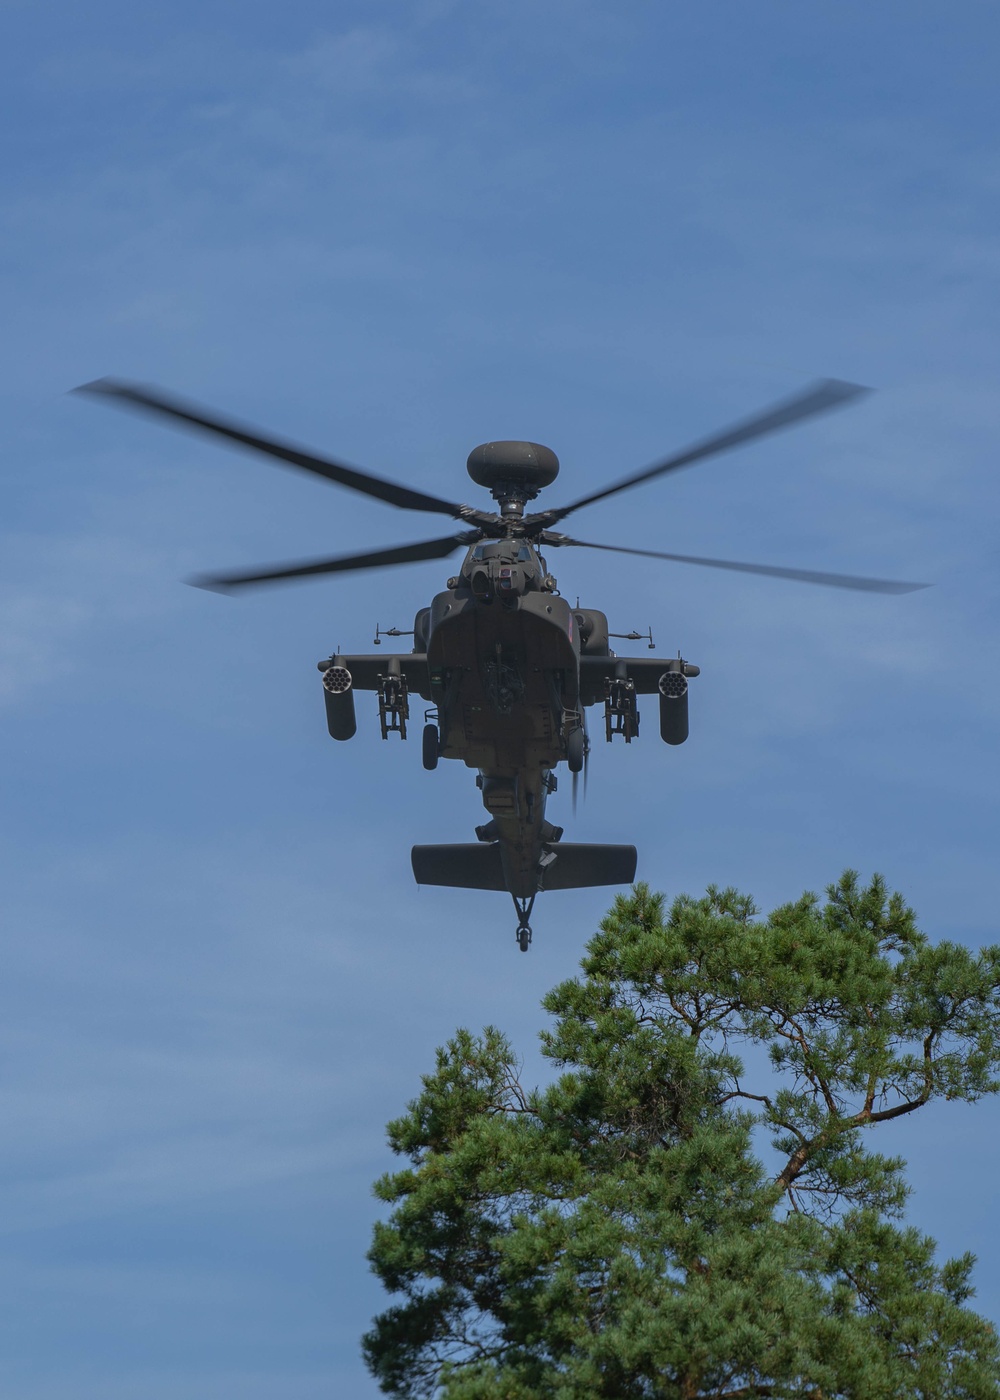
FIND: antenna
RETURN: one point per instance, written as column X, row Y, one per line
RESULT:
column 634, row 636
column 388, row 632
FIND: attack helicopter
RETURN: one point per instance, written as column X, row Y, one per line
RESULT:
column 506, row 667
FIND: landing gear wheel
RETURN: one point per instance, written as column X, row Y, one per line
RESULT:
column 575, row 745
column 430, row 746
column 523, row 932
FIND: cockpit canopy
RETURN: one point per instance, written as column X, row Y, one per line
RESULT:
column 501, row 549
column 503, row 569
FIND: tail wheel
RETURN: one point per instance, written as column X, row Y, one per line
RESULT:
column 575, row 747
column 430, row 746
column 523, row 905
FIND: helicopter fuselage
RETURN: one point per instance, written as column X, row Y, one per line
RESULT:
column 503, row 668
column 508, row 668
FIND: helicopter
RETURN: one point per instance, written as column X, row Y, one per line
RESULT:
column 506, row 667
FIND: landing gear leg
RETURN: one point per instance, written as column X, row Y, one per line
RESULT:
column 523, row 932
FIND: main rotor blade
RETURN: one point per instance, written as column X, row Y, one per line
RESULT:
column 374, row 559
column 149, row 399
column 862, row 585
column 818, row 398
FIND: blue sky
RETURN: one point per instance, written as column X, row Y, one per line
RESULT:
column 395, row 232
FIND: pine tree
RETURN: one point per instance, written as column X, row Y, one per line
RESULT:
column 618, row 1234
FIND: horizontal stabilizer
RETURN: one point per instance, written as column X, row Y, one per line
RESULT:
column 480, row 866
column 472, row 867
column 577, row 866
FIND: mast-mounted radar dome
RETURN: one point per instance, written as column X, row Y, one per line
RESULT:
column 525, row 465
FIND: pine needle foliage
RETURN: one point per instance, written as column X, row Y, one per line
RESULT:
column 615, row 1234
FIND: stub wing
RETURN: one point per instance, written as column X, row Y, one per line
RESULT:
column 644, row 671
column 367, row 671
